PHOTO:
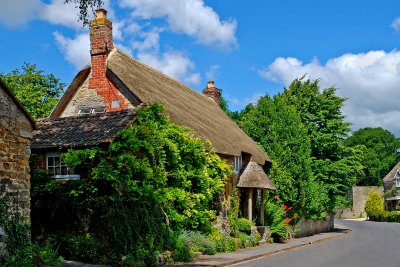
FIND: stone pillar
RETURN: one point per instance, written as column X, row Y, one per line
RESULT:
column 250, row 204
column 262, row 208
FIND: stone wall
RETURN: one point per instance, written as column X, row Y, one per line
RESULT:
column 15, row 135
column 359, row 194
column 309, row 227
column 89, row 97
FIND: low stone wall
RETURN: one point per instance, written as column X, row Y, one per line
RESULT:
column 309, row 227
column 359, row 194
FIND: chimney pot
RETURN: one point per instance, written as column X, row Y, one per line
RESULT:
column 210, row 84
column 101, row 13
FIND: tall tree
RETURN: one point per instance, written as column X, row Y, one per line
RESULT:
column 277, row 127
column 380, row 155
column 38, row 92
column 334, row 164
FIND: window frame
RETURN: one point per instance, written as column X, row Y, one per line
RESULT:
column 237, row 163
column 91, row 110
column 71, row 175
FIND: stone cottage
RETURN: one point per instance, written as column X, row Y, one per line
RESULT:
column 16, row 127
column 392, row 180
column 114, row 82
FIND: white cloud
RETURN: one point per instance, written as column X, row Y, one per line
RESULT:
column 150, row 40
column 16, row 13
column 396, row 24
column 212, row 72
column 61, row 14
column 370, row 81
column 173, row 63
column 191, row 17
column 76, row 50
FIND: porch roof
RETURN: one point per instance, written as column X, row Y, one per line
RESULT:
column 254, row 176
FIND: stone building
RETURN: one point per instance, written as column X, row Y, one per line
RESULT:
column 115, row 81
column 16, row 127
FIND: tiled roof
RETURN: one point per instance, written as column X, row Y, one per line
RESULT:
column 80, row 131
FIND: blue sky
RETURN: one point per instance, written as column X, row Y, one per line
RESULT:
column 249, row 48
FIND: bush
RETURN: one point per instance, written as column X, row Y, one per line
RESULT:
column 18, row 235
column 84, row 248
column 374, row 204
column 244, row 225
column 34, row 255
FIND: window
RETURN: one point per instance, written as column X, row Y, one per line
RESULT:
column 91, row 110
column 115, row 104
column 58, row 169
column 397, row 178
column 237, row 164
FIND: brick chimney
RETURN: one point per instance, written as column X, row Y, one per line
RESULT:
column 213, row 92
column 101, row 44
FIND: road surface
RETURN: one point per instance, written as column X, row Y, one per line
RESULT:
column 370, row 244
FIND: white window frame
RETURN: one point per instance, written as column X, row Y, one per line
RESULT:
column 91, row 110
column 70, row 172
column 237, row 163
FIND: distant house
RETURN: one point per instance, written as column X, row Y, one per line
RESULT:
column 114, row 84
column 16, row 127
column 392, row 179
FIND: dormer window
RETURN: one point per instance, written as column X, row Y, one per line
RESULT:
column 397, row 178
column 91, row 110
column 237, row 164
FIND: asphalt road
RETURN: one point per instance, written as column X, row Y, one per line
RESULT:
column 370, row 244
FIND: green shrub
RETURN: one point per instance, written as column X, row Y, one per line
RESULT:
column 84, row 248
column 244, row 225
column 374, row 204
column 34, row 255
column 18, row 235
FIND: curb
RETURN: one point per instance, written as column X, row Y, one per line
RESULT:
column 259, row 256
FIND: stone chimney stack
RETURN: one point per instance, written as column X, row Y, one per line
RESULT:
column 213, row 92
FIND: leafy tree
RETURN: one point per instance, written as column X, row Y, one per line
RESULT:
column 380, row 153
column 84, row 6
column 277, row 127
column 335, row 165
column 37, row 92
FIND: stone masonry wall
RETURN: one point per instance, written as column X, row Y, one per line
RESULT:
column 15, row 136
column 309, row 227
column 89, row 97
column 360, row 196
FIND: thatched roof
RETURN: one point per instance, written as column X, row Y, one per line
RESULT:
column 16, row 102
column 392, row 174
column 254, row 176
column 184, row 105
column 80, row 131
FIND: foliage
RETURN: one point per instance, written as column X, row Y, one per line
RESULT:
column 374, row 204
column 84, row 6
column 336, row 166
column 391, row 193
column 36, row 91
column 278, row 219
column 380, row 153
column 18, row 235
column 343, row 202
column 277, row 127
column 82, row 247
column 244, row 225
column 155, row 180
column 21, row 252
column 34, row 255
